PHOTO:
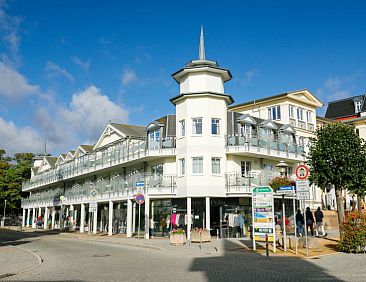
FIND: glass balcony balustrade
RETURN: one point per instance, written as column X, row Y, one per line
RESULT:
column 105, row 158
column 280, row 144
column 236, row 182
column 112, row 187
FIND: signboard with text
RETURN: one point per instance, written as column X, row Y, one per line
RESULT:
column 263, row 213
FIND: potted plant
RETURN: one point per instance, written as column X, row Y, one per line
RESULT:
column 177, row 237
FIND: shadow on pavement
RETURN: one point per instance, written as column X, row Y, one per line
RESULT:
column 16, row 238
column 244, row 265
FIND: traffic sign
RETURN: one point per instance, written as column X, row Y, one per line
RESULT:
column 140, row 199
column 140, row 183
column 302, row 172
column 285, row 190
column 302, row 185
column 93, row 206
column 303, row 195
column 93, row 193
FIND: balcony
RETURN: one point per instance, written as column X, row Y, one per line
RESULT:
column 126, row 151
column 112, row 188
column 236, row 183
column 257, row 145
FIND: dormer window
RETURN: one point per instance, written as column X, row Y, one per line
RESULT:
column 358, row 106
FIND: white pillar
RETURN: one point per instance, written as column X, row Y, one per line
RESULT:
column 28, row 216
column 110, row 219
column 134, row 218
column 129, row 218
column 95, row 220
column 23, row 219
column 147, row 217
column 53, row 218
column 189, row 215
column 45, row 220
column 71, row 218
column 82, row 218
column 33, row 218
column 208, row 216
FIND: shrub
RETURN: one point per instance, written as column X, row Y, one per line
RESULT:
column 177, row 232
column 279, row 181
column 353, row 233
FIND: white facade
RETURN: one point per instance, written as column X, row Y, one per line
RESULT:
column 205, row 158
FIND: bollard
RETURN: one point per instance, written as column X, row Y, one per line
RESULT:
column 200, row 240
column 217, row 234
column 267, row 245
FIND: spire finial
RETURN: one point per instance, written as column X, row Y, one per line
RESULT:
column 202, row 46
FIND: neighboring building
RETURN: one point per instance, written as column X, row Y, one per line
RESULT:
column 203, row 160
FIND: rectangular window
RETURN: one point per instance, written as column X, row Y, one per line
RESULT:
column 274, row 113
column 215, row 126
column 182, row 166
column 291, row 111
column 308, row 116
column 157, row 169
column 358, row 106
column 216, row 165
column 197, row 125
column 246, row 130
column 300, row 114
column 246, row 168
column 182, row 128
column 197, row 165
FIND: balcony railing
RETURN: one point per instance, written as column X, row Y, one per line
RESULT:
column 107, row 188
column 238, row 183
column 107, row 157
column 256, row 141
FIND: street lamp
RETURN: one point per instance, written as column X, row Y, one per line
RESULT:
column 283, row 167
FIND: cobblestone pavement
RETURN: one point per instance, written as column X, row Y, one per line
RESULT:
column 121, row 259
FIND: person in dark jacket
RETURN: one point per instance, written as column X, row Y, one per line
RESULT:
column 319, row 222
column 309, row 221
column 299, row 223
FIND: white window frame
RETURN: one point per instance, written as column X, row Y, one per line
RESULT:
column 215, row 122
column 195, row 122
column 300, row 114
column 182, row 166
column 291, row 111
column 246, row 130
column 216, row 165
column 274, row 113
column 358, row 106
column 247, row 165
column 309, row 118
column 182, row 128
column 197, row 165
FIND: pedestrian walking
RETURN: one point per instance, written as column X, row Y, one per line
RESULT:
column 152, row 227
column 299, row 223
column 309, row 221
column 319, row 222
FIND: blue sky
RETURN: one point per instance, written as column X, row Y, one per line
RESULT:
column 68, row 67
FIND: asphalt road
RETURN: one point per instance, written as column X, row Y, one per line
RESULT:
column 79, row 260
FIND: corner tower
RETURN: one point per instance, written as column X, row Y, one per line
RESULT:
column 201, row 114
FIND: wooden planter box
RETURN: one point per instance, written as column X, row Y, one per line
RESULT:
column 178, row 239
column 205, row 234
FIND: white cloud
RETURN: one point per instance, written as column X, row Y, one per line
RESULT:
column 128, row 76
column 17, row 140
column 83, row 65
column 54, row 70
column 9, row 32
column 14, row 85
column 334, row 88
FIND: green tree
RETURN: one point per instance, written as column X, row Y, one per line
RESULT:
column 336, row 156
column 13, row 171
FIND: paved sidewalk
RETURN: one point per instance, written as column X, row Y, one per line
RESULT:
column 14, row 260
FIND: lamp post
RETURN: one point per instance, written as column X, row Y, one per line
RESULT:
column 5, row 208
column 283, row 171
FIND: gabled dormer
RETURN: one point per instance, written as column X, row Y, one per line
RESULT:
column 60, row 159
column 69, row 156
column 47, row 163
column 115, row 132
column 83, row 150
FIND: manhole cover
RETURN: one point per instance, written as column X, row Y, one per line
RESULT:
column 100, row 256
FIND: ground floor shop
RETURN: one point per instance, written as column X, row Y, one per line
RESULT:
column 229, row 217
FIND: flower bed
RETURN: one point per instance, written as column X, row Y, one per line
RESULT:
column 200, row 234
column 177, row 237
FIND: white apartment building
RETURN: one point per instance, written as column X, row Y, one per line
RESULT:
column 194, row 168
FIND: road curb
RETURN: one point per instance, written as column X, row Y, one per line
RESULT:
column 38, row 259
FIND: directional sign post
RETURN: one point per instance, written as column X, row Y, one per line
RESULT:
column 140, row 199
column 263, row 215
